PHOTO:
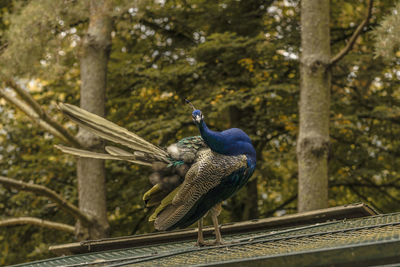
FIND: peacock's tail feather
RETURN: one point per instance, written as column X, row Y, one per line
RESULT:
column 112, row 132
column 96, row 155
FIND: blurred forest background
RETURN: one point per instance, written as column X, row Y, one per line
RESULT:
column 239, row 63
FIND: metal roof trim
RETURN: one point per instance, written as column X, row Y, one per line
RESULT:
column 357, row 210
column 359, row 255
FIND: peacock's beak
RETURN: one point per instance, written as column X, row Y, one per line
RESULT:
column 197, row 118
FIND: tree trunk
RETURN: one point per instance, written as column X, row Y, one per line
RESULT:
column 313, row 139
column 91, row 173
column 251, row 202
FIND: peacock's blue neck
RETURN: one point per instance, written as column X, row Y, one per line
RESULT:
column 230, row 142
column 214, row 140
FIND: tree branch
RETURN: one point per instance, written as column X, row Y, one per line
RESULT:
column 171, row 32
column 43, row 115
column 44, row 191
column 374, row 117
column 354, row 37
column 388, row 185
column 3, row 47
column 30, row 113
column 363, row 198
column 39, row 222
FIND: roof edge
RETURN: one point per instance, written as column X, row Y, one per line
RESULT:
column 350, row 211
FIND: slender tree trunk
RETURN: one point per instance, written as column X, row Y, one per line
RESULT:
column 313, row 139
column 251, row 201
column 91, row 173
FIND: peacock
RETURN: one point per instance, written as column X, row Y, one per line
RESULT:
column 190, row 178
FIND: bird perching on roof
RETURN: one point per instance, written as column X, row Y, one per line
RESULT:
column 190, row 177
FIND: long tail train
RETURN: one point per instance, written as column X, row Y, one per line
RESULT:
column 144, row 153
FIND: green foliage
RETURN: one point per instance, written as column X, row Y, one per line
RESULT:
column 42, row 34
column 237, row 61
column 365, row 121
column 27, row 154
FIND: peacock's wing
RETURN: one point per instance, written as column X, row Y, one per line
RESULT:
column 192, row 199
column 166, row 178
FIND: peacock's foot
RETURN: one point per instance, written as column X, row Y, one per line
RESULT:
column 202, row 243
column 218, row 243
column 208, row 244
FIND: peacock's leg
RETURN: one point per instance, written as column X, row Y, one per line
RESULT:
column 200, row 238
column 215, row 211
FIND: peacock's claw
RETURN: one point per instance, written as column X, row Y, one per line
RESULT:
column 203, row 243
column 208, row 244
column 218, row 243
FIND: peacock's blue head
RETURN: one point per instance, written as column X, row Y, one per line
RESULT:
column 197, row 116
